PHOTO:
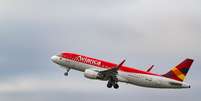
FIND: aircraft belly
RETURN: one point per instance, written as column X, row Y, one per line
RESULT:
column 151, row 81
column 143, row 80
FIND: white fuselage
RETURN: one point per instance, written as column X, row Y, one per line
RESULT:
column 139, row 79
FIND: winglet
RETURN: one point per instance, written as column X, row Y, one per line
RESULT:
column 150, row 68
column 118, row 66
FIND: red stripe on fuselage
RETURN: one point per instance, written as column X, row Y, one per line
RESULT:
column 101, row 63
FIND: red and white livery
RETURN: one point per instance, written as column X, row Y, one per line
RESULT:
column 114, row 73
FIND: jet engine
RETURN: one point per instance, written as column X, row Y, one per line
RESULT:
column 91, row 74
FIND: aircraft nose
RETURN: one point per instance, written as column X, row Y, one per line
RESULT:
column 54, row 58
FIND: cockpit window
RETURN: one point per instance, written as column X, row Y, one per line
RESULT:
column 65, row 55
column 59, row 55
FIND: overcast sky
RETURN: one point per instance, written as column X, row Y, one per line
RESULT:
column 144, row 32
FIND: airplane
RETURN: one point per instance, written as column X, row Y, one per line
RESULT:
column 113, row 73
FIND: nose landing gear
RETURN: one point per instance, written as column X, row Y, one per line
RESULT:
column 67, row 71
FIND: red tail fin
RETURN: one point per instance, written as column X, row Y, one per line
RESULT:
column 179, row 72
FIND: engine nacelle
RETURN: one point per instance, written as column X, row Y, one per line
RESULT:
column 91, row 74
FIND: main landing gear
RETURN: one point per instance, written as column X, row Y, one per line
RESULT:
column 67, row 70
column 113, row 82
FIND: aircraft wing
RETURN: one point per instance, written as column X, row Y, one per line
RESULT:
column 111, row 72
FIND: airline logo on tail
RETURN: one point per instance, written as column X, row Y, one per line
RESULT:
column 179, row 72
